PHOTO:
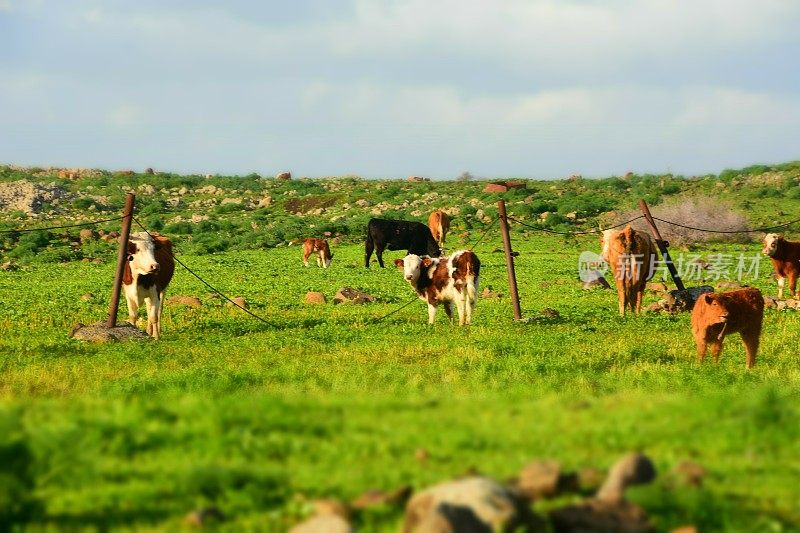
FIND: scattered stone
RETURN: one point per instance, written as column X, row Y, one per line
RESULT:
column 190, row 301
column 468, row 504
column 98, row 332
column 632, row 469
column 421, row 455
column 685, row 529
column 729, row 285
column 601, row 515
column 331, row 507
column 549, row 312
column 87, row 234
column 265, row 202
column 690, row 473
column 544, row 479
column 678, row 301
column 285, row 176
column 375, row 498
column 488, row 293
column 656, row 307
column 86, row 297
column 503, row 186
column 315, row 298
column 149, row 170
column 417, row 179
column 590, row 479
column 203, row 517
column 791, row 303
column 28, row 197
column 781, row 305
column 362, row 203
column 770, row 302
column 239, row 301
column 348, row 294
column 9, row 266
column 97, row 261
column 657, row 286
column 328, row 523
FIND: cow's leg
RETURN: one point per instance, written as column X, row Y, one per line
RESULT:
column 639, row 296
column 319, row 259
column 793, row 283
column 368, row 248
column 701, row 349
column 781, row 282
column 621, row 298
column 305, row 258
column 716, row 349
column 469, row 305
column 448, row 309
column 431, row 313
column 133, row 307
column 379, row 253
column 160, row 310
column 750, row 340
column 151, row 300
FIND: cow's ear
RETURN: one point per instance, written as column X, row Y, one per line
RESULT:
column 427, row 262
column 398, row 263
column 131, row 248
column 708, row 298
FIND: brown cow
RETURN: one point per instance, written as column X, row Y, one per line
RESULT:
column 147, row 273
column 716, row 315
column 631, row 255
column 439, row 223
column 785, row 257
column 319, row 247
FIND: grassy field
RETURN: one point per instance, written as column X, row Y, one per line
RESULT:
column 258, row 419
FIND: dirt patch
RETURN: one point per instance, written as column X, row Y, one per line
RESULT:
column 302, row 205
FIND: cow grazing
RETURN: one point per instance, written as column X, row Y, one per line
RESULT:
column 630, row 254
column 445, row 280
column 785, row 257
column 319, row 247
column 147, row 273
column 716, row 315
column 439, row 224
column 408, row 235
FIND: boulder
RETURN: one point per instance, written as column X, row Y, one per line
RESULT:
column 792, row 303
column 488, row 293
column 98, row 332
column 781, row 305
column 331, row 507
column 590, row 479
column 678, row 301
column 285, row 176
column 632, row 469
column 9, row 266
column 88, row 234
column 348, row 294
column 149, row 170
column 657, row 286
column 544, row 479
column 86, row 297
column 770, row 302
column 328, row 523
column 265, row 201
column 190, row 301
column 417, row 179
column 495, row 187
column 315, row 298
column 375, row 497
column 239, row 301
column 468, row 504
column 549, row 312
column 727, row 285
column 655, row 307
column 601, row 515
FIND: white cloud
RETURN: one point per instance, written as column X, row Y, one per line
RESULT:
column 5, row 5
column 126, row 115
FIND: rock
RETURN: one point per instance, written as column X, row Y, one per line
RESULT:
column 9, row 266
column 690, row 473
column 488, row 293
column 348, row 294
column 770, row 302
column 285, row 176
column 590, row 479
column 86, row 297
column 421, row 455
column 315, row 298
column 98, row 332
column 678, row 301
column 265, row 201
column 544, row 479
column 657, row 286
column 631, row 469
column 149, row 170
column 239, row 301
column 362, row 203
column 327, row 523
column 550, row 313
column 594, row 279
column 203, row 517
column 656, row 307
column 28, row 197
column 729, row 285
column 331, row 507
column 791, row 303
column 97, row 261
column 685, row 529
column 600, row 515
column 375, row 498
column 417, row 179
column 468, row 504
column 227, row 201
column 87, row 234
column 781, row 305
column 503, row 186
column 190, row 301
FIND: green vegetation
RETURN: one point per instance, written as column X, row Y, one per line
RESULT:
column 259, row 419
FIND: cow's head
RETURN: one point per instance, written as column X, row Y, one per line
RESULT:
column 141, row 254
column 771, row 244
column 413, row 265
column 327, row 261
column 716, row 310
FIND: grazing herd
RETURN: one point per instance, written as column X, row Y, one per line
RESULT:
column 453, row 280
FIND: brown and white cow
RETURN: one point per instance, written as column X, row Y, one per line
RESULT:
column 716, row 315
column 319, row 247
column 445, row 280
column 439, row 223
column 630, row 255
column 147, row 273
column 785, row 257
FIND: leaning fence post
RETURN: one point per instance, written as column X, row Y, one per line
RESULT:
column 122, row 258
column 662, row 245
column 512, row 276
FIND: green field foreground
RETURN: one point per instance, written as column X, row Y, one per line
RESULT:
column 259, row 419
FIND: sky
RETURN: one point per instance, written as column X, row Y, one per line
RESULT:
column 380, row 89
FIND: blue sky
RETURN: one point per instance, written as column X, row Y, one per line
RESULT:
column 389, row 89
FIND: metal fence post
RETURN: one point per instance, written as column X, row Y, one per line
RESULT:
column 512, row 276
column 122, row 258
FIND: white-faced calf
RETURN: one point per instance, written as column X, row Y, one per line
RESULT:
column 785, row 257
column 319, row 247
column 447, row 280
column 147, row 273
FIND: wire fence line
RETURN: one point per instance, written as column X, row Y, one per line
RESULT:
column 48, row 228
column 587, row 232
column 207, row 284
column 754, row 230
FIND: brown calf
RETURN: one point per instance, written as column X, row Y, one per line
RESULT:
column 630, row 254
column 439, row 223
column 319, row 247
column 785, row 257
column 716, row 315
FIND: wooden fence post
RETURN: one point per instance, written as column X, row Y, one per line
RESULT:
column 512, row 276
column 122, row 258
column 662, row 245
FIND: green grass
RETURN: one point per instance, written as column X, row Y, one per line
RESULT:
column 259, row 419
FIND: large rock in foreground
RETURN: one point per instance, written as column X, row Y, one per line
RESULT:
column 98, row 332
column 472, row 504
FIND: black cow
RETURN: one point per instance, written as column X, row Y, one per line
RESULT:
column 398, row 235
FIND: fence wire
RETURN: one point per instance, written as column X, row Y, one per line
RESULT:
column 82, row 224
